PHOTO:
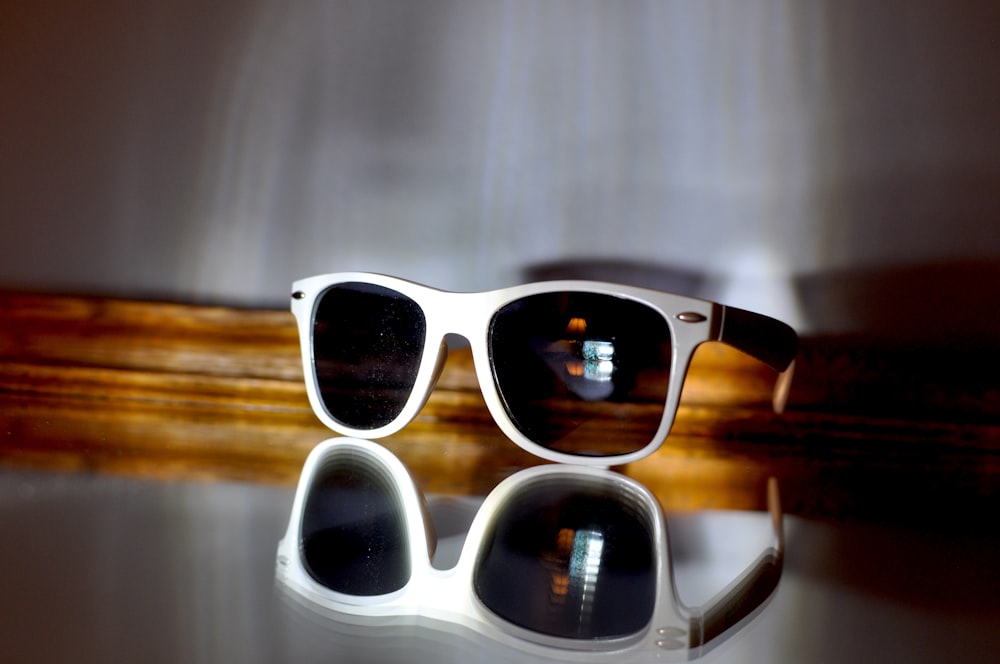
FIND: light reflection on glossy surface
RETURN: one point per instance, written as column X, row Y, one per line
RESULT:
column 97, row 568
column 559, row 561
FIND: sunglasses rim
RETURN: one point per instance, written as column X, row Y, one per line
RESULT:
column 449, row 594
column 690, row 322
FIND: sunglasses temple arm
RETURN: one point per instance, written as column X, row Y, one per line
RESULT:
column 764, row 338
column 767, row 339
column 751, row 590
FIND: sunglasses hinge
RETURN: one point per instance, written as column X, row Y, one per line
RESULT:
column 691, row 317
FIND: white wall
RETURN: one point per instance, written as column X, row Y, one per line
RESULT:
column 216, row 151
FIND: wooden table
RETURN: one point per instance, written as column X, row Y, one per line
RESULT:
column 875, row 429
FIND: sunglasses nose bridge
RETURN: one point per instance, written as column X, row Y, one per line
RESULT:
column 459, row 314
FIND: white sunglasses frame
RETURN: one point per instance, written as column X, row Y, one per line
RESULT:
column 691, row 322
column 674, row 630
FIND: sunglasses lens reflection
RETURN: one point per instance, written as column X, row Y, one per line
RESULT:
column 354, row 537
column 571, row 558
column 367, row 344
column 582, row 373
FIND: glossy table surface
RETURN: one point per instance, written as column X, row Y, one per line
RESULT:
column 98, row 568
column 149, row 453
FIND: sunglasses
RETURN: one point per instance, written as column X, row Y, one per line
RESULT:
column 572, row 371
column 557, row 559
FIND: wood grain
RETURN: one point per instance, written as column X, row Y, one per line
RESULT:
column 873, row 429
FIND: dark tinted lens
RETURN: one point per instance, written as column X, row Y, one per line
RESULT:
column 353, row 528
column 570, row 557
column 582, row 373
column 367, row 344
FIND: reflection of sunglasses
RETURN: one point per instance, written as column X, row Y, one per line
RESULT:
column 572, row 371
column 557, row 557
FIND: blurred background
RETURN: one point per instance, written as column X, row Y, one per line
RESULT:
column 835, row 163
column 832, row 163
